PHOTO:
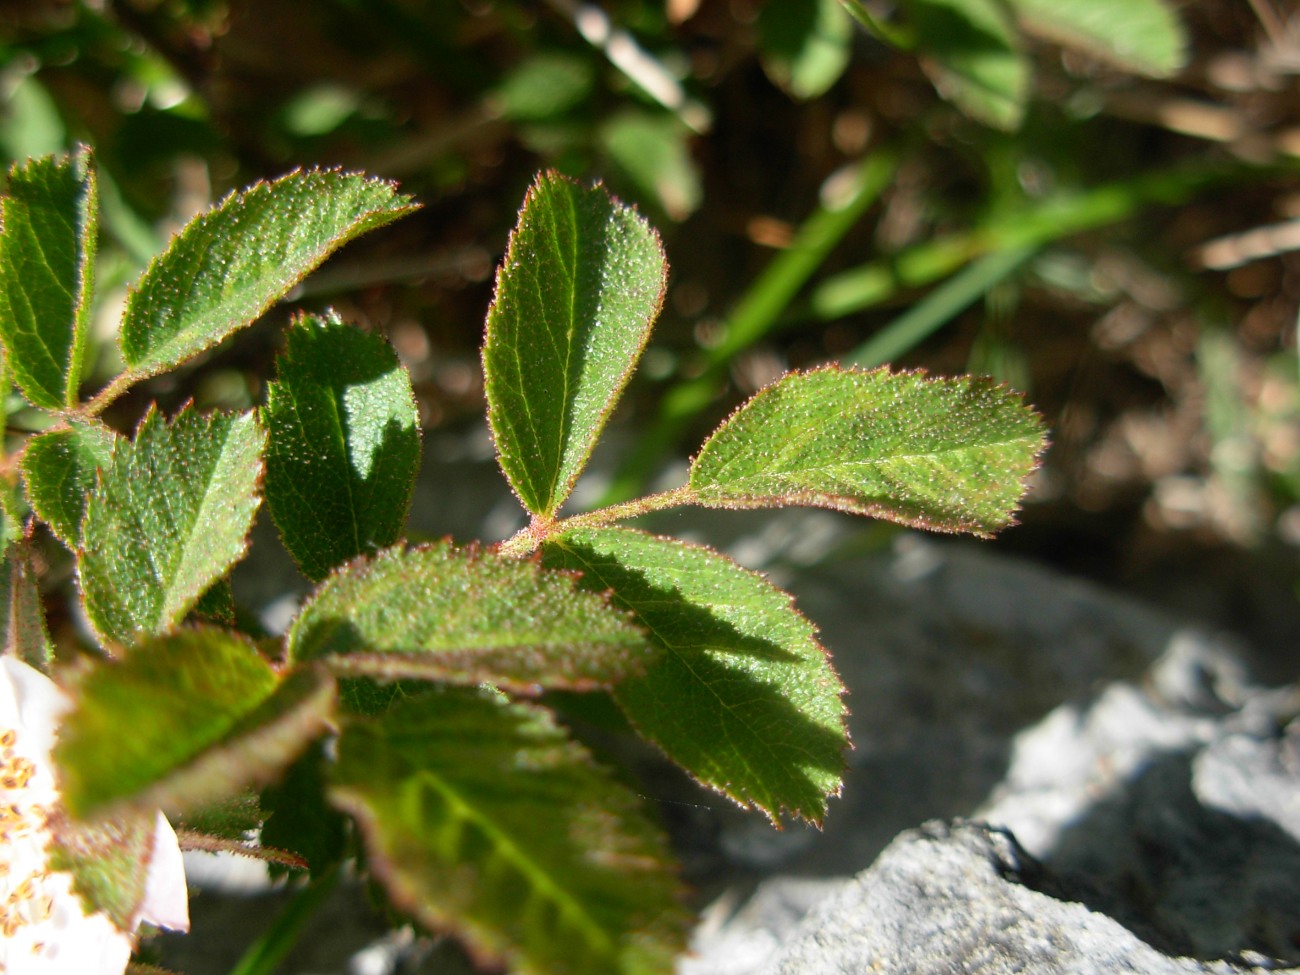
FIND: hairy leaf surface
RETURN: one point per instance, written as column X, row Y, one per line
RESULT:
column 109, row 862
column 60, row 467
column 169, row 518
column 580, row 286
column 48, row 224
column 1144, row 35
column 228, row 265
column 743, row 697
column 439, row 613
column 344, row 446
column 22, row 613
column 185, row 720
column 973, row 55
column 482, row 817
column 944, row 454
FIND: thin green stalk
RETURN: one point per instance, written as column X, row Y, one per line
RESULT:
column 264, row 955
column 937, row 308
column 872, row 284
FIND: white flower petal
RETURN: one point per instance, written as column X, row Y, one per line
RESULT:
column 44, row 928
column 166, row 901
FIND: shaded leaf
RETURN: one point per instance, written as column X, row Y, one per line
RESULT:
column 229, row 265
column 439, row 613
column 805, row 44
column 48, row 225
column 481, row 817
column 344, row 444
column 971, row 51
column 59, row 467
column 744, row 697
column 169, row 518
column 944, row 454
column 218, row 718
column 22, row 613
column 299, row 818
column 216, row 605
column 581, row 284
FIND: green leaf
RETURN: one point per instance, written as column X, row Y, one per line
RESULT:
column 1143, row 35
column 109, row 862
column 545, row 86
column 481, row 816
column 805, row 44
column 299, row 818
column 22, row 613
column 581, row 284
column 182, row 721
column 48, row 224
column 230, row 264
column 344, row 446
column 654, row 150
column 169, row 518
column 60, row 469
column 945, row 454
column 743, row 697
column 972, row 53
column 439, row 613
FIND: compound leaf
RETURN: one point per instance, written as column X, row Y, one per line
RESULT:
column 344, row 446
column 973, row 55
column 48, row 222
column 228, row 265
column 182, row 721
column 581, row 284
column 944, row 454
column 743, row 696
column 439, row 613
column 60, row 468
column 1143, row 35
column 169, row 518
column 482, row 817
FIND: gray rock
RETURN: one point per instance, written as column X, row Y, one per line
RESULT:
column 942, row 900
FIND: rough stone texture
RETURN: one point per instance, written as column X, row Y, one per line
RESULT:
column 945, row 899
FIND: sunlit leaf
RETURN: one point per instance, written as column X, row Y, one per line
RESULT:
column 1144, row 35
column 972, row 52
column 944, row 454
column 48, row 226
column 228, row 265
column 439, row 613
column 481, row 817
column 109, row 862
column 805, row 44
column 580, row 286
column 170, row 517
column 344, row 446
column 545, row 85
column 182, row 721
column 654, row 150
column 60, row 467
column 743, row 696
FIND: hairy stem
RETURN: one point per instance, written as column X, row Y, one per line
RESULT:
column 528, row 539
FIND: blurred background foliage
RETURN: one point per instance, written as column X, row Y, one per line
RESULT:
column 1096, row 201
